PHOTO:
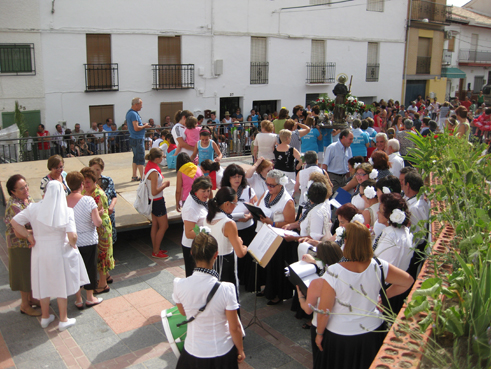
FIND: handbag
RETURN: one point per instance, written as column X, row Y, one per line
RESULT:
column 201, row 309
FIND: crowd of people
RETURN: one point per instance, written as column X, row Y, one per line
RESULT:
column 300, row 165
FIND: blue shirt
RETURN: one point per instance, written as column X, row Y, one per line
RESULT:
column 360, row 139
column 255, row 120
column 131, row 116
column 336, row 158
column 326, row 136
column 205, row 153
column 367, row 114
column 309, row 141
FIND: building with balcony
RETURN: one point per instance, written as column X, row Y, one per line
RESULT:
column 424, row 50
column 72, row 64
column 468, row 48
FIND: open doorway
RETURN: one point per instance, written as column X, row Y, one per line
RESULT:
column 264, row 107
column 229, row 104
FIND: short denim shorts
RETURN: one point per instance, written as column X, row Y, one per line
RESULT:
column 158, row 208
column 138, row 147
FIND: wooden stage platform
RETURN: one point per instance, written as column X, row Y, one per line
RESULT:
column 118, row 167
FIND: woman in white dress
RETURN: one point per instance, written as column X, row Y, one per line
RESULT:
column 265, row 141
column 369, row 194
column 57, row 269
column 395, row 243
column 362, row 173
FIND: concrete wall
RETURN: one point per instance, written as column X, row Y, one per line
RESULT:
column 209, row 30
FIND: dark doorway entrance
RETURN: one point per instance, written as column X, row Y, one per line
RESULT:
column 413, row 89
column 229, row 104
column 264, row 107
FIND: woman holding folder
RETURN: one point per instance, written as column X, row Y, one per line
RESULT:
column 224, row 229
column 234, row 177
column 279, row 209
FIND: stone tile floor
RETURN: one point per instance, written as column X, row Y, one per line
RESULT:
column 126, row 330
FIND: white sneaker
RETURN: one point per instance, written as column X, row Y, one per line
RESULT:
column 64, row 325
column 46, row 322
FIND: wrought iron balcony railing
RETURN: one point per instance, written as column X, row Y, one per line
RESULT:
column 474, row 56
column 372, row 72
column 321, row 72
column 435, row 13
column 423, row 65
column 173, row 76
column 259, row 73
column 101, row 77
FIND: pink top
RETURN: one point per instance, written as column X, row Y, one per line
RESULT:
column 192, row 135
column 187, row 183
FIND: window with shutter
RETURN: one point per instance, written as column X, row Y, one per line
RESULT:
column 259, row 61
column 373, row 65
column 17, row 59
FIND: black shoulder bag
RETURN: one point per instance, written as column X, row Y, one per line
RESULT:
column 383, row 288
column 201, row 309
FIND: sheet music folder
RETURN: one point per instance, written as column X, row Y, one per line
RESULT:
column 264, row 245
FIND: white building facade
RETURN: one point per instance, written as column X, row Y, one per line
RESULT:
column 467, row 51
column 90, row 58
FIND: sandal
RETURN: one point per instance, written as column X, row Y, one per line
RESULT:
column 105, row 289
column 79, row 305
column 109, row 279
column 90, row 304
column 135, row 179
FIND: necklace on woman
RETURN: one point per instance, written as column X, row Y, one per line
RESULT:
column 239, row 193
column 276, row 199
column 306, row 211
column 207, row 271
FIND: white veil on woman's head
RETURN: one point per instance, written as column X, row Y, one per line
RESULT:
column 54, row 207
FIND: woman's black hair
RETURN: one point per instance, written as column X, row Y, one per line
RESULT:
column 12, row 181
column 355, row 159
column 393, row 201
column 203, row 248
column 201, row 183
column 317, row 193
column 223, row 195
column 391, row 182
column 182, row 159
column 210, row 165
column 231, row 171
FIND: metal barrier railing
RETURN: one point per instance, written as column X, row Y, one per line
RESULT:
column 234, row 139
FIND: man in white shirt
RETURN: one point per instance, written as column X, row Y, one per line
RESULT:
column 420, row 211
column 397, row 162
column 412, row 109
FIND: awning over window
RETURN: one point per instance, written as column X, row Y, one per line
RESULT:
column 452, row 73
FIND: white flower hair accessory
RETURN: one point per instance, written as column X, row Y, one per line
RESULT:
column 373, row 174
column 340, row 234
column 284, row 180
column 370, row 161
column 386, row 190
column 356, row 165
column 358, row 218
column 370, row 192
column 397, row 216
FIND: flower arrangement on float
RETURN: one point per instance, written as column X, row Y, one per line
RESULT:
column 351, row 104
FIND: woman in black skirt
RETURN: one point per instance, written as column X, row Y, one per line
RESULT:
column 234, row 177
column 211, row 343
column 350, row 328
column 223, row 228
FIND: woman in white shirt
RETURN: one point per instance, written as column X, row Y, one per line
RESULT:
column 350, row 335
column 87, row 218
column 395, row 243
column 194, row 213
column 278, row 205
column 224, row 229
column 214, row 338
column 234, row 177
column 369, row 194
column 256, row 176
column 265, row 141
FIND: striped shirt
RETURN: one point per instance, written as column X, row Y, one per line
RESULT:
column 86, row 230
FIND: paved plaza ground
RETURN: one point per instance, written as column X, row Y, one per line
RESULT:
column 126, row 330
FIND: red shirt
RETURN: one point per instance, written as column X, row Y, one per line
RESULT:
column 171, row 147
column 46, row 143
column 467, row 104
